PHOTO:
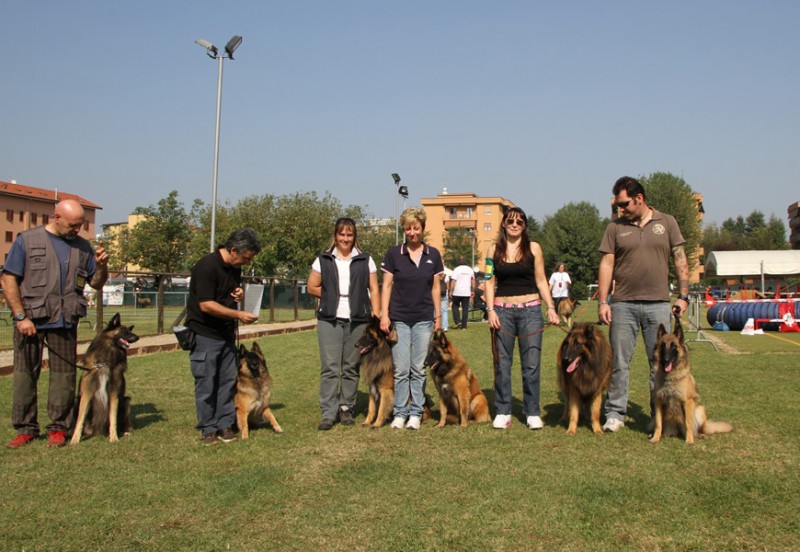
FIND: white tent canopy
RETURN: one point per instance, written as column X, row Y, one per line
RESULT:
column 753, row 263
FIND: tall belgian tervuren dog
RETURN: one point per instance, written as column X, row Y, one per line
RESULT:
column 253, row 391
column 584, row 369
column 677, row 402
column 377, row 369
column 458, row 387
column 565, row 309
column 102, row 404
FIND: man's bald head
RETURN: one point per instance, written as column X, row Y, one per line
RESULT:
column 68, row 219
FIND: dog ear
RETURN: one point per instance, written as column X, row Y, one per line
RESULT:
column 679, row 331
column 242, row 350
column 662, row 331
column 115, row 323
column 255, row 348
column 442, row 337
column 391, row 337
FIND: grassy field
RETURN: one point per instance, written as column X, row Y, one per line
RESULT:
column 450, row 489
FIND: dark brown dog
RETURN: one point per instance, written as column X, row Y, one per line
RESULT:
column 102, row 404
column 253, row 391
column 458, row 387
column 678, row 409
column 584, row 369
column 377, row 369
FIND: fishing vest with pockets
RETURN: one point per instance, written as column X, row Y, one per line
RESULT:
column 41, row 282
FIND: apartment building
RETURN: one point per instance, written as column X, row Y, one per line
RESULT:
column 25, row 207
column 480, row 216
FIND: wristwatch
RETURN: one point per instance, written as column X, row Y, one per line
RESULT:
column 684, row 297
column 19, row 317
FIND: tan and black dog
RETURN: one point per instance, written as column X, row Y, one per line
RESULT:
column 460, row 395
column 253, row 391
column 566, row 308
column 677, row 401
column 584, row 370
column 102, row 404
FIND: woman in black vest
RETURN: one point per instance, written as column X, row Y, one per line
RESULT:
column 346, row 281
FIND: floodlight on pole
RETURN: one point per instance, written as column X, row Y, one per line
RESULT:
column 213, row 52
column 396, row 178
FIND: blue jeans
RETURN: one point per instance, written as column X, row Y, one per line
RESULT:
column 627, row 318
column 445, row 318
column 214, row 367
column 409, row 355
column 523, row 324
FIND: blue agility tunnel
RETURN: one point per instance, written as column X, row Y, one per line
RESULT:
column 735, row 314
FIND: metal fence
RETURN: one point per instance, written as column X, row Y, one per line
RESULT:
column 154, row 302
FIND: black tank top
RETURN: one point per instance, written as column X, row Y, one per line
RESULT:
column 516, row 278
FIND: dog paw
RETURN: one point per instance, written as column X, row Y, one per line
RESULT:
column 439, row 426
column 571, row 432
column 655, row 439
column 277, row 429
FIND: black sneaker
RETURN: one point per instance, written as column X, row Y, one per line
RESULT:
column 209, row 439
column 325, row 424
column 346, row 416
column 226, row 435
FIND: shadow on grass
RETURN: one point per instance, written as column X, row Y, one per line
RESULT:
column 142, row 415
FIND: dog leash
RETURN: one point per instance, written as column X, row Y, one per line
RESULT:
column 52, row 351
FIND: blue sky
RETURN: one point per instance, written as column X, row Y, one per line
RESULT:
column 540, row 102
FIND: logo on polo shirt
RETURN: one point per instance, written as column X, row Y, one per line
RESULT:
column 429, row 261
column 659, row 229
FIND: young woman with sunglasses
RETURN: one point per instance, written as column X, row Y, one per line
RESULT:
column 346, row 281
column 515, row 289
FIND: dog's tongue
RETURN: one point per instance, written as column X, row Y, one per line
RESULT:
column 571, row 368
column 668, row 367
column 433, row 366
column 124, row 343
column 363, row 350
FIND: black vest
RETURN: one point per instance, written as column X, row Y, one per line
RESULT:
column 360, row 308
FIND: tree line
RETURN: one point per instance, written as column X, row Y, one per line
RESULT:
column 296, row 227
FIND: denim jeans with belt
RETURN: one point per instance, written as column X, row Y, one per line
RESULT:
column 523, row 324
column 409, row 355
column 627, row 318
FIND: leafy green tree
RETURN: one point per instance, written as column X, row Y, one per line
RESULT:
column 376, row 239
column 746, row 233
column 672, row 195
column 158, row 242
column 459, row 242
column 571, row 236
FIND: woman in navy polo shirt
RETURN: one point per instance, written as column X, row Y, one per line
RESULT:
column 411, row 301
column 514, row 296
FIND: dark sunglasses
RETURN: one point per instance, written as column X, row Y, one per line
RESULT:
column 515, row 222
column 622, row 204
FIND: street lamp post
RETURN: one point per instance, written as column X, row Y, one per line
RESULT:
column 396, row 178
column 213, row 53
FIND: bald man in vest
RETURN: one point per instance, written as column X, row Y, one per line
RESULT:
column 43, row 280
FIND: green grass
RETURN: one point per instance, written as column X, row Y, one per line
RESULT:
column 449, row 489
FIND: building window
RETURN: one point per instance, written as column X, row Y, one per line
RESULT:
column 487, row 210
column 10, row 215
column 487, row 227
column 22, row 216
column 469, row 212
column 34, row 219
column 86, row 225
column 9, row 237
column 45, row 219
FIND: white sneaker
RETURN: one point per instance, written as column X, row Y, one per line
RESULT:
column 501, row 421
column 613, row 425
column 413, row 422
column 535, row 422
column 398, row 423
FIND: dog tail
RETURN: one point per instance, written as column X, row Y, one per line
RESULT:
column 715, row 426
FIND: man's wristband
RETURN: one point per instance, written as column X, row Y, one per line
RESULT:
column 683, row 297
column 604, row 302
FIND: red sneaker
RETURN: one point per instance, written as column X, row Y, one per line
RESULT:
column 20, row 441
column 56, row 438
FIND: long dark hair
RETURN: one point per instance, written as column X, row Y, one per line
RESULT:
column 502, row 241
